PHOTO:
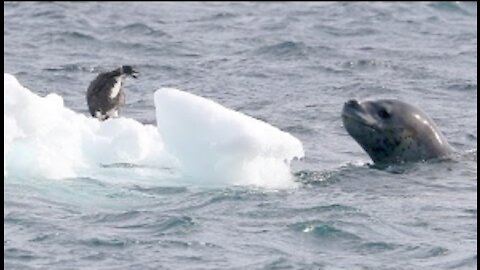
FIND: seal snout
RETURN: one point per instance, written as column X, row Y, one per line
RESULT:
column 351, row 108
column 352, row 103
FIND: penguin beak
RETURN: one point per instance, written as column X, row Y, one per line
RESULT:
column 134, row 73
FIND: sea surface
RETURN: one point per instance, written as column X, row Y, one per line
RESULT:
column 292, row 65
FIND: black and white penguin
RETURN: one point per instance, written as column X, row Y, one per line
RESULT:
column 105, row 95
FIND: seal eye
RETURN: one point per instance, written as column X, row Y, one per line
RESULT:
column 383, row 114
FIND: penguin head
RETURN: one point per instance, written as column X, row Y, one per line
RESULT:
column 129, row 71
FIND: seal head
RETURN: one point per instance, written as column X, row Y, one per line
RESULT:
column 393, row 131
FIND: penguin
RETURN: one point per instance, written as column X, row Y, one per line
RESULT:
column 105, row 95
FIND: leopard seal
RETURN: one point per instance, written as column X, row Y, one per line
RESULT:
column 393, row 131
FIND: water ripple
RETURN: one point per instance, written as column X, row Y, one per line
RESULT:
column 284, row 49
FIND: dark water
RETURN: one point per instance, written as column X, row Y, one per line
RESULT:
column 292, row 65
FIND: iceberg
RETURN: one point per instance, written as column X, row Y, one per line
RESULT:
column 43, row 138
column 220, row 144
column 204, row 142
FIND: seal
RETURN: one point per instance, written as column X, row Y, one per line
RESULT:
column 105, row 95
column 393, row 131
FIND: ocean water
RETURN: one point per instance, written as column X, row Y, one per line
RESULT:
column 292, row 65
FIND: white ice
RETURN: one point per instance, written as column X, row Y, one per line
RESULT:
column 218, row 144
column 203, row 141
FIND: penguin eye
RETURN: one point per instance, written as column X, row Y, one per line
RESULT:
column 383, row 114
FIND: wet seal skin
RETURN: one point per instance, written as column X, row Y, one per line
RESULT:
column 393, row 131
